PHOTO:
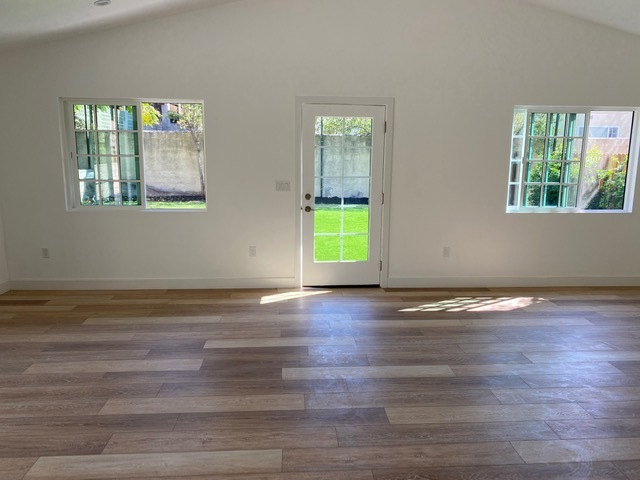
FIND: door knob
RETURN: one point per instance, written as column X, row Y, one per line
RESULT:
column 307, row 208
column 308, row 196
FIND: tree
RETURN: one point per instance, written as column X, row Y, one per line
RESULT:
column 190, row 118
column 150, row 116
column 356, row 126
column 607, row 184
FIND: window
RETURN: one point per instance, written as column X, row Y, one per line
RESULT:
column 557, row 166
column 135, row 155
column 601, row 131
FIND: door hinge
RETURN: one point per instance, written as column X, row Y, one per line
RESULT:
column 382, row 198
column 380, row 265
column 385, row 126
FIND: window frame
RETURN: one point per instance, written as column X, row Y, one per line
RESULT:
column 516, row 181
column 70, row 155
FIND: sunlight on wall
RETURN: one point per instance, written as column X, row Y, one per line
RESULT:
column 476, row 304
column 283, row 297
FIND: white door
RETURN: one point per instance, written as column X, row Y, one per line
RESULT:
column 342, row 178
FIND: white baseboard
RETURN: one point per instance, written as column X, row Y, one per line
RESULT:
column 498, row 282
column 291, row 282
column 151, row 283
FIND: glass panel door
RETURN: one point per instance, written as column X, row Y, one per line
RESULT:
column 342, row 187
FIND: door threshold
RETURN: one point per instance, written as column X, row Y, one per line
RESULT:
column 375, row 285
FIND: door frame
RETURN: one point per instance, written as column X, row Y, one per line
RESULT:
column 389, row 104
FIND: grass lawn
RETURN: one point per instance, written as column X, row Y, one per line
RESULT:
column 343, row 231
column 176, row 205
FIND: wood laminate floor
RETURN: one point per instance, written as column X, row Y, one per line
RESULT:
column 320, row 384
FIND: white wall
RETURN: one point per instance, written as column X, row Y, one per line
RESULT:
column 455, row 68
column 4, row 271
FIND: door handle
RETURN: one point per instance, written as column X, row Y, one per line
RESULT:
column 308, row 208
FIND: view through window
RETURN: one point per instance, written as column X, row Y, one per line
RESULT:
column 137, row 154
column 575, row 159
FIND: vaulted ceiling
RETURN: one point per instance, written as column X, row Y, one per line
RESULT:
column 24, row 22
column 619, row 14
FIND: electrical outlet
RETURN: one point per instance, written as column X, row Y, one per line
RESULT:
column 446, row 252
column 252, row 251
column 283, row 186
column 45, row 253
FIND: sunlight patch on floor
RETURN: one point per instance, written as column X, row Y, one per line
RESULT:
column 283, row 297
column 476, row 304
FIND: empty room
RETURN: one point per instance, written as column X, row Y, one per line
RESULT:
column 319, row 240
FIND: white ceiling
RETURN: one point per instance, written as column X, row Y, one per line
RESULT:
column 620, row 14
column 24, row 22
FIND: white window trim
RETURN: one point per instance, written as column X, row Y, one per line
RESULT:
column 632, row 163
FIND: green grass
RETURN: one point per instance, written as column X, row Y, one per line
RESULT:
column 335, row 228
column 176, row 205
